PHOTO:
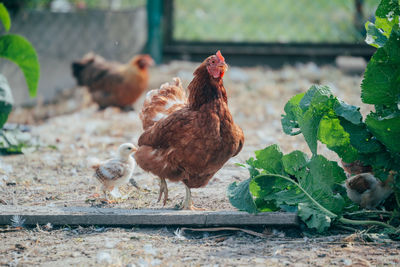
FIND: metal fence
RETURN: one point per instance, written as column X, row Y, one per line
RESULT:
column 270, row 32
column 267, row 32
column 62, row 36
column 282, row 21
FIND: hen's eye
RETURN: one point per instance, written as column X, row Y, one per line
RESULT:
column 129, row 148
column 213, row 61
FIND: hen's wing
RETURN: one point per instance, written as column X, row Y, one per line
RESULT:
column 361, row 182
column 176, row 128
column 111, row 170
column 160, row 103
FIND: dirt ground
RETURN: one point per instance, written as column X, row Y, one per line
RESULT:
column 72, row 131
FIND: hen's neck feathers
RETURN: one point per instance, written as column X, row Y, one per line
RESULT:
column 204, row 89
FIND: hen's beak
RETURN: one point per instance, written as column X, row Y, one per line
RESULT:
column 223, row 67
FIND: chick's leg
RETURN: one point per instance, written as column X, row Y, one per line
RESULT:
column 163, row 190
column 188, row 202
column 106, row 199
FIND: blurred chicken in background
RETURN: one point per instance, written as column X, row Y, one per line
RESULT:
column 113, row 83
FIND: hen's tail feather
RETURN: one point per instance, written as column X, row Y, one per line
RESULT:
column 89, row 61
column 160, row 103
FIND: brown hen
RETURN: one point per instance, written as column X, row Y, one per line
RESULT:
column 113, row 83
column 189, row 140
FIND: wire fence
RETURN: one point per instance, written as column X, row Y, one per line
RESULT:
column 65, row 30
column 61, row 36
column 281, row 21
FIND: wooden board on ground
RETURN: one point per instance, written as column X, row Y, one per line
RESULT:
column 124, row 217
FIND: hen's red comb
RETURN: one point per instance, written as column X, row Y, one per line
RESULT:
column 219, row 55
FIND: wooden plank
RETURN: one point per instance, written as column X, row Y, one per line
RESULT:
column 123, row 217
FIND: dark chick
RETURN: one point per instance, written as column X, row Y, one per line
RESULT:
column 368, row 191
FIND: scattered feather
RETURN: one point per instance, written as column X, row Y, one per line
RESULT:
column 17, row 221
column 48, row 226
column 179, row 234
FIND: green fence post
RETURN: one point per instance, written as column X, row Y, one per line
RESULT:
column 154, row 17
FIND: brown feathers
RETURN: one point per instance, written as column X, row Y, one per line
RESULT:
column 193, row 142
column 367, row 191
column 113, row 83
column 159, row 103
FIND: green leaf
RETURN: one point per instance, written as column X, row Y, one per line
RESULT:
column 382, row 77
column 331, row 133
column 309, row 124
column 252, row 168
column 289, row 121
column 386, row 24
column 6, row 100
column 295, row 162
column 374, row 37
column 19, row 50
column 388, row 8
column 16, row 142
column 314, row 219
column 313, row 182
column 317, row 94
column 348, row 112
column 239, row 196
column 317, row 102
column 360, row 138
column 5, row 17
column 386, row 130
column 269, row 159
column 323, row 177
column 307, row 192
column 261, row 190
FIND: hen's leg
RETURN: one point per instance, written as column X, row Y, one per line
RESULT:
column 163, row 190
column 188, row 202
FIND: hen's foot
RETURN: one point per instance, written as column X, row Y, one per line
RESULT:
column 187, row 203
column 185, row 206
column 163, row 190
column 107, row 201
column 192, row 207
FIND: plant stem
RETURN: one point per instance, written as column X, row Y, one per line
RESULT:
column 357, row 222
column 397, row 197
column 331, row 214
column 370, row 212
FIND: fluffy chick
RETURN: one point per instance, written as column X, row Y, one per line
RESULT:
column 116, row 171
column 368, row 191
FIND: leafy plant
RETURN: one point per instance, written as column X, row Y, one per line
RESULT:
column 293, row 182
column 20, row 51
column 312, row 187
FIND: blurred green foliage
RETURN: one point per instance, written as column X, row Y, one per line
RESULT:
column 16, row 5
column 269, row 20
column 20, row 51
